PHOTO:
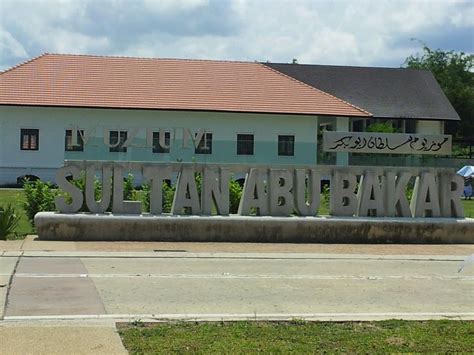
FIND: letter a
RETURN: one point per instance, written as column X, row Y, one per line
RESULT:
column 254, row 195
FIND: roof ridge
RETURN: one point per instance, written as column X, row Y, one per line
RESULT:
column 150, row 58
column 24, row 63
column 313, row 88
column 346, row 66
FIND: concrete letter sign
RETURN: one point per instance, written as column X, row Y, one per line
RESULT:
column 370, row 196
column 106, row 189
column 288, row 191
column 343, row 201
column 73, row 191
column 396, row 201
column 451, row 188
column 162, row 139
column 186, row 195
column 254, row 194
column 307, row 196
column 156, row 176
column 281, row 198
column 425, row 200
column 215, row 189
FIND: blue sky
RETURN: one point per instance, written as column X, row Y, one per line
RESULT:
column 357, row 32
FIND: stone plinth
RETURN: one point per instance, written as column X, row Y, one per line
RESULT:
column 108, row 227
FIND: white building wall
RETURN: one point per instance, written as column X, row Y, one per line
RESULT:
column 429, row 127
column 52, row 123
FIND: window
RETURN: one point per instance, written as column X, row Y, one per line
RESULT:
column 157, row 148
column 29, row 139
column 399, row 125
column 286, row 145
column 117, row 140
column 358, row 125
column 205, row 145
column 68, row 146
column 245, row 144
column 410, row 126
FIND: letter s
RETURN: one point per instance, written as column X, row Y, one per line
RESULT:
column 69, row 188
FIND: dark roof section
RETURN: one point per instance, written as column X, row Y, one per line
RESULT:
column 384, row 92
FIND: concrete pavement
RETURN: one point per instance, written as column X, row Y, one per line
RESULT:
column 64, row 338
column 31, row 243
column 156, row 285
column 49, row 285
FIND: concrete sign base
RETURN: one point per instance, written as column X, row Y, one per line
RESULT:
column 170, row 228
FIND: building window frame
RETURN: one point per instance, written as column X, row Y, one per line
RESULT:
column 286, row 144
column 205, row 145
column 245, row 144
column 29, row 139
column 157, row 148
column 117, row 140
column 410, row 126
column 68, row 147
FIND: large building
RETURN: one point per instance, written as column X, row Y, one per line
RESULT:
column 77, row 107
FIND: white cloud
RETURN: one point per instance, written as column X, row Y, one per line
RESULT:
column 329, row 32
column 83, row 44
column 8, row 44
column 173, row 5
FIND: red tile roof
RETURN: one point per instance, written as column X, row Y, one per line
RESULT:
column 167, row 84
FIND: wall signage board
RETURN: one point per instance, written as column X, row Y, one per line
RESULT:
column 386, row 143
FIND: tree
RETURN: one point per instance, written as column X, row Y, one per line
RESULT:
column 454, row 73
column 381, row 127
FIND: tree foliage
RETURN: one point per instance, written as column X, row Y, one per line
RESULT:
column 381, row 127
column 454, row 73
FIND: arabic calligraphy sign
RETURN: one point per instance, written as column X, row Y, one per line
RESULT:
column 387, row 143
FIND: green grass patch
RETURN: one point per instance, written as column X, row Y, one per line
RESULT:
column 468, row 208
column 17, row 197
column 299, row 337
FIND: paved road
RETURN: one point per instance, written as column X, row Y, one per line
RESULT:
column 146, row 286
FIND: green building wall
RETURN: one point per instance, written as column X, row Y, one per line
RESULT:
column 53, row 122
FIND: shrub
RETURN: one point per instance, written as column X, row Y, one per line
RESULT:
column 168, row 193
column 326, row 191
column 128, row 187
column 8, row 221
column 39, row 197
column 145, row 196
column 409, row 192
column 381, row 127
column 235, row 194
column 129, row 192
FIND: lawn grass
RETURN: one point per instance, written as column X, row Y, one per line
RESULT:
column 468, row 208
column 299, row 337
column 16, row 197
